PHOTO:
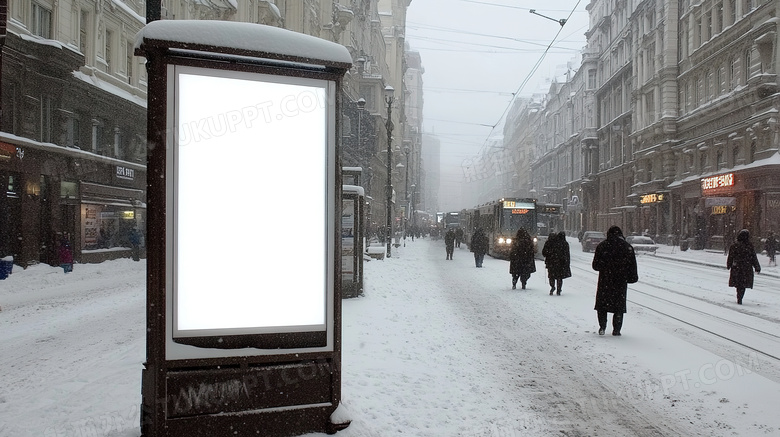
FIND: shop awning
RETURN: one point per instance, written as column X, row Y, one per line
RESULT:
column 110, row 202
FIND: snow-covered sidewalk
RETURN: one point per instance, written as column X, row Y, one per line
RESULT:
column 434, row 348
column 438, row 348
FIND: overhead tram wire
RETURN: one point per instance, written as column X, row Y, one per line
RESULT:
column 515, row 7
column 492, row 46
column 455, row 43
column 527, row 78
column 461, row 90
column 462, row 32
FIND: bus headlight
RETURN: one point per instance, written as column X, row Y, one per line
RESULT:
column 501, row 240
column 508, row 241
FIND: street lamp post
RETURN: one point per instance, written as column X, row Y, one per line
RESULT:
column 389, row 125
column 360, row 149
column 412, row 214
column 406, row 196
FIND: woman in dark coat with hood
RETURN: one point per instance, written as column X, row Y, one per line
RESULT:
column 521, row 258
column 616, row 263
column 557, row 260
column 741, row 261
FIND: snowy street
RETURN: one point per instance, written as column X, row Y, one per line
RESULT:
column 436, row 348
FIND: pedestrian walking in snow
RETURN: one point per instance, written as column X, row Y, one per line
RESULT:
column 135, row 244
column 770, row 245
column 479, row 245
column 557, row 260
column 742, row 260
column 65, row 255
column 458, row 237
column 449, row 242
column 521, row 258
column 615, row 261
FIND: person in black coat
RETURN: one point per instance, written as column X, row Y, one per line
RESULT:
column 449, row 242
column 741, row 261
column 557, row 260
column 615, row 261
column 479, row 245
column 458, row 236
column 770, row 245
column 521, row 258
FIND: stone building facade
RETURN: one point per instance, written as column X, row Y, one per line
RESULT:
column 684, row 141
column 73, row 121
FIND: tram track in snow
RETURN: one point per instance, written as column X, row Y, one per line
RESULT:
column 751, row 331
column 760, row 276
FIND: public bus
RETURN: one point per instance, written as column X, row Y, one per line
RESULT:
column 451, row 220
column 500, row 219
column 550, row 217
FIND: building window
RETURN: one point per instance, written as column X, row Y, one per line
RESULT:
column 129, row 61
column 108, row 53
column 687, row 95
column 733, row 77
column 651, row 60
column 73, row 132
column 732, row 11
column 650, row 107
column 592, row 79
column 746, row 67
column 83, row 23
column 718, row 82
column 752, row 157
column 614, row 194
column 699, row 35
column 41, row 21
column 97, row 135
column 10, row 113
column 46, row 119
column 719, row 160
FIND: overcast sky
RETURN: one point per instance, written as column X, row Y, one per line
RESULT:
column 476, row 54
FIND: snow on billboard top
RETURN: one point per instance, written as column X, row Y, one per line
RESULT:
column 243, row 39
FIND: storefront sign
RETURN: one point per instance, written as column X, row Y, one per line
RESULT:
column 125, row 173
column 773, row 201
column 90, row 223
column 652, row 198
column 347, row 238
column 720, row 181
column 722, row 209
column 7, row 151
column 720, row 205
column 720, row 201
